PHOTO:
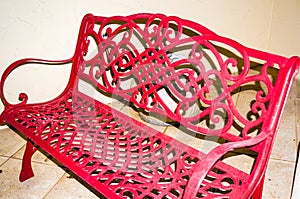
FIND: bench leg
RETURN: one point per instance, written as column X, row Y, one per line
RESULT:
column 259, row 190
column 26, row 171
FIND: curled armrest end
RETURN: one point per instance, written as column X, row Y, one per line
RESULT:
column 22, row 96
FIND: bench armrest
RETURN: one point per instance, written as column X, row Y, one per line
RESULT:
column 202, row 169
column 22, row 96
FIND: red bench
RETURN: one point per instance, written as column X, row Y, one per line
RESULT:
column 177, row 72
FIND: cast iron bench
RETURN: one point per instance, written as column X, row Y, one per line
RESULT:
column 171, row 71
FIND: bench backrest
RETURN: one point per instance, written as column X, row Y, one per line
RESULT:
column 180, row 70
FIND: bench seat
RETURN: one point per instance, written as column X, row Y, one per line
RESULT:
column 114, row 151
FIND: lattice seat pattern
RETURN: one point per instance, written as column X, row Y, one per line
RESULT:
column 130, row 158
column 173, row 70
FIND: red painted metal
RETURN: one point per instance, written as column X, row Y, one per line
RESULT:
column 27, row 171
column 136, row 59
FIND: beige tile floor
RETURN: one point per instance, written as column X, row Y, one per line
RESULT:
column 51, row 181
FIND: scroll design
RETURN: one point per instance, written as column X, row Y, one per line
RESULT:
column 141, row 54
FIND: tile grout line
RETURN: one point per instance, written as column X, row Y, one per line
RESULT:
column 11, row 156
column 52, row 188
column 5, row 161
column 282, row 160
column 36, row 162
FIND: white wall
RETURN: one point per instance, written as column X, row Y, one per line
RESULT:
column 48, row 29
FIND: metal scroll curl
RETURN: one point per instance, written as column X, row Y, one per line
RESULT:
column 186, row 78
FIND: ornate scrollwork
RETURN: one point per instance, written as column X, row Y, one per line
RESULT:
column 176, row 69
column 200, row 77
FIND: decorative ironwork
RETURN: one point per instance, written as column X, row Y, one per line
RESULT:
column 141, row 54
column 133, row 160
column 176, row 70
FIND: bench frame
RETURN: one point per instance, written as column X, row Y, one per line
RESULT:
column 262, row 143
